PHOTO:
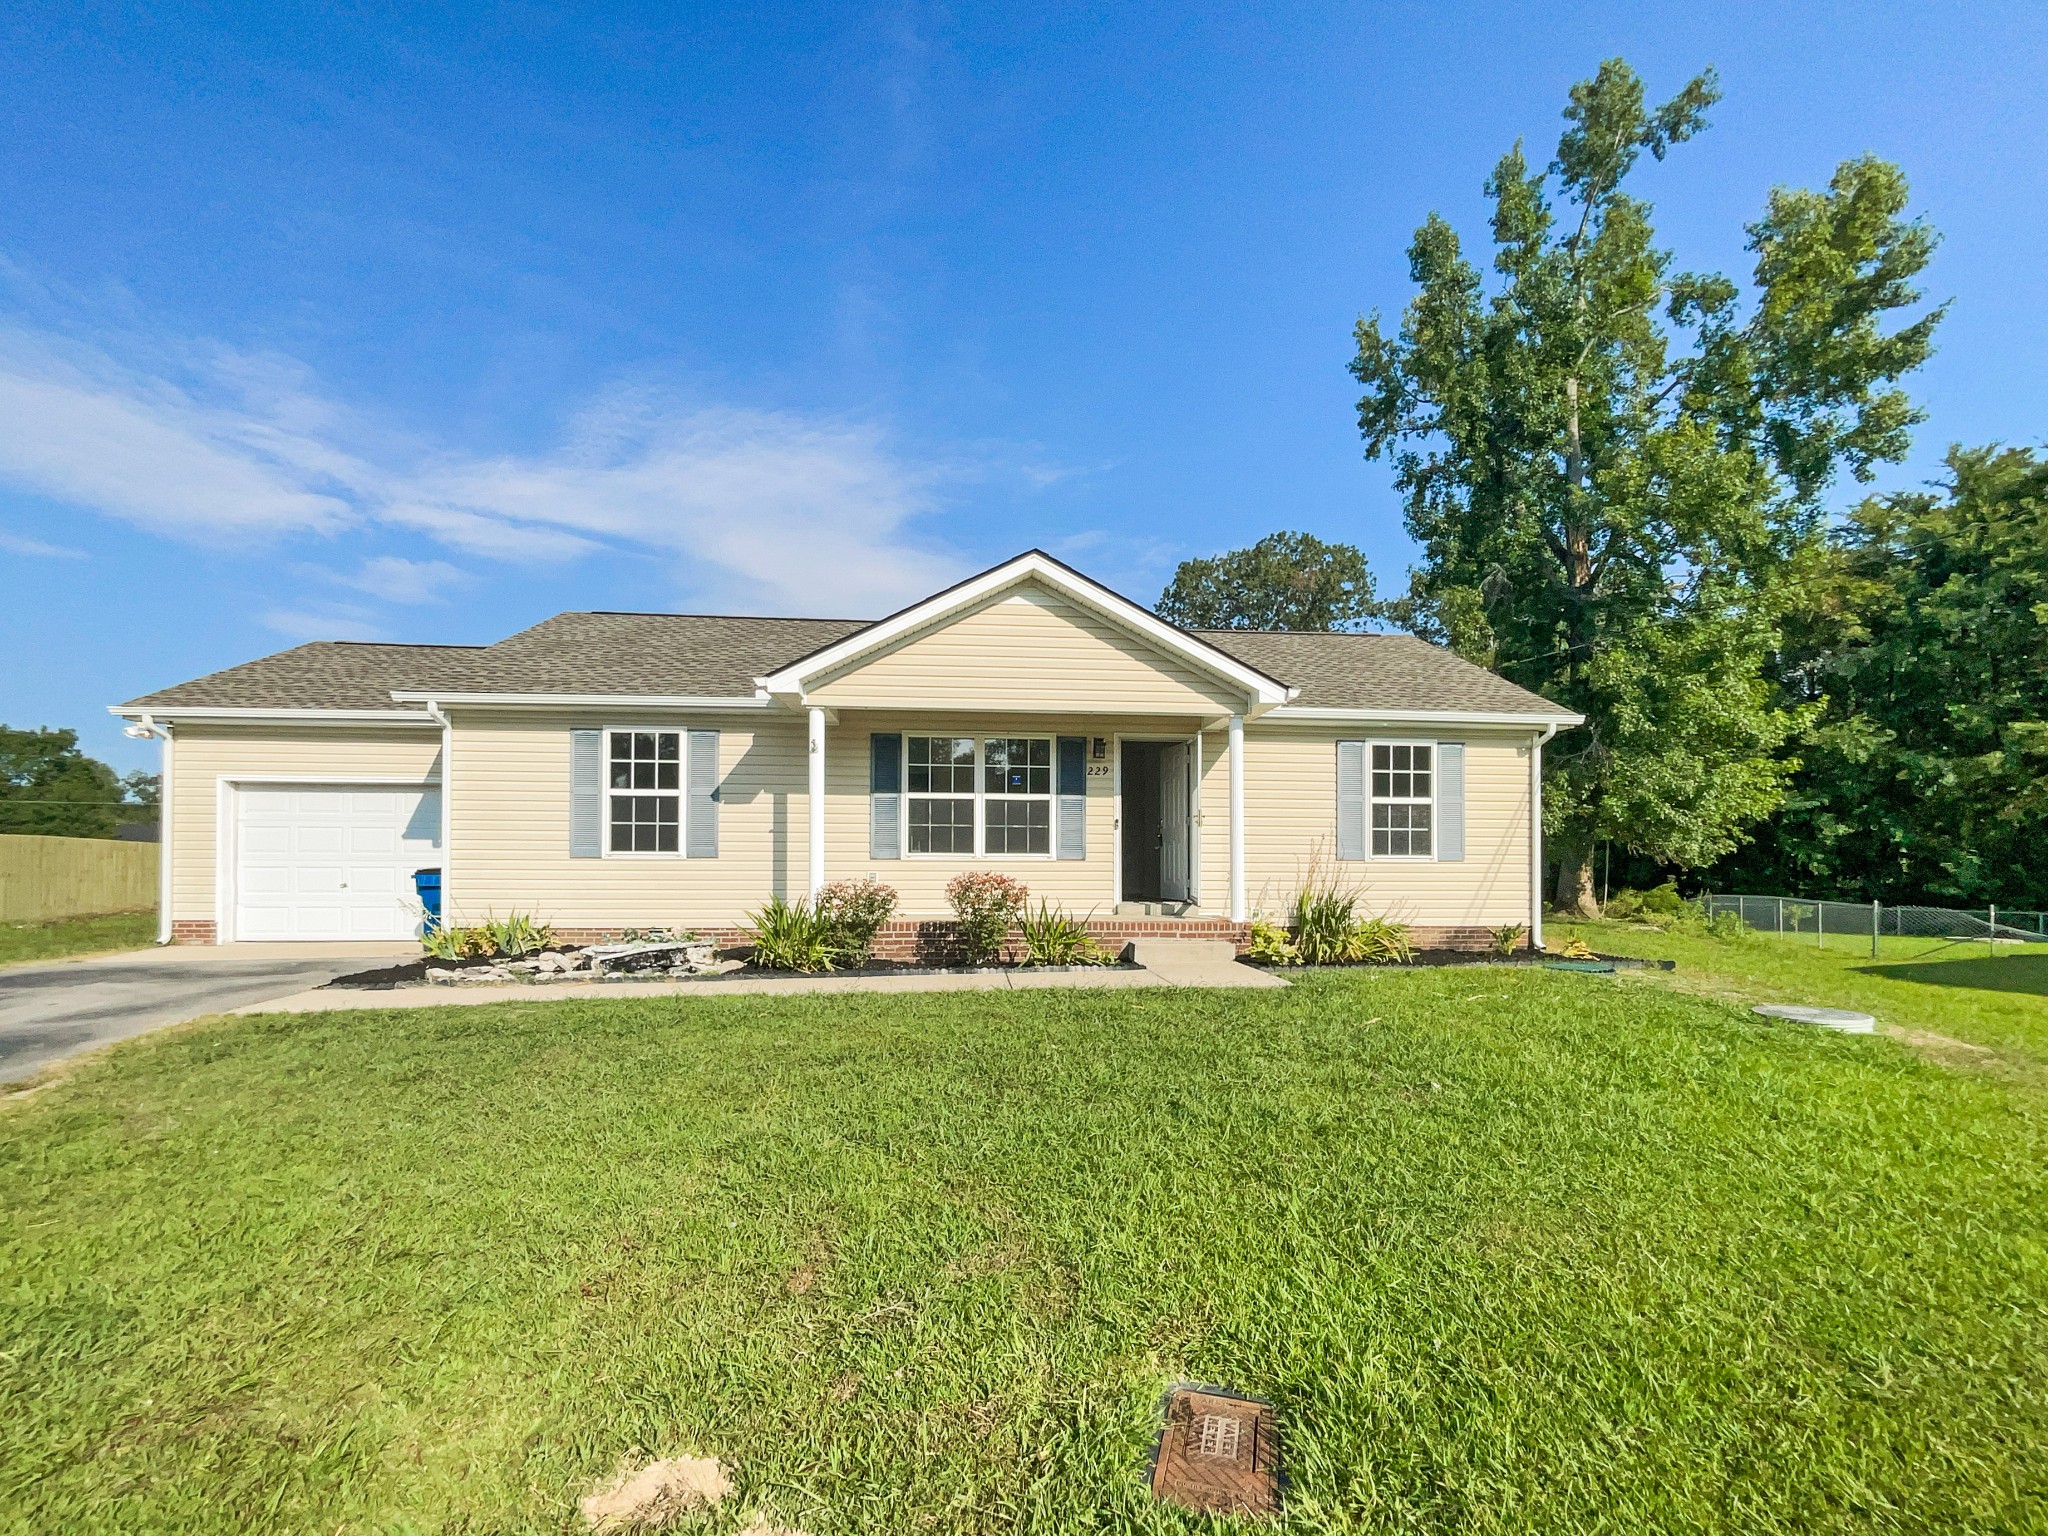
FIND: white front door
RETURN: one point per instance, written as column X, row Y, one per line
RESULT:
column 332, row 861
column 1176, row 805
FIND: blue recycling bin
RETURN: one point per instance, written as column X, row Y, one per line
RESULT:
column 427, row 883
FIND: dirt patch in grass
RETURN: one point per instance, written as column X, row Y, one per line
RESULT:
column 651, row 1497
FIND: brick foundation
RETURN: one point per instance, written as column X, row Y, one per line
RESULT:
column 192, row 931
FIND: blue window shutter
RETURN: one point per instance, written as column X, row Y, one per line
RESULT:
column 700, row 816
column 1450, row 800
column 586, row 794
column 885, row 795
column 1072, row 796
column 1350, row 799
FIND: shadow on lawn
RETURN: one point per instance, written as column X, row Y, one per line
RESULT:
column 1989, row 973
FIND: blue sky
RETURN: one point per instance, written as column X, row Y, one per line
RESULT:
column 423, row 324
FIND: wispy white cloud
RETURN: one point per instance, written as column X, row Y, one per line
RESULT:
column 337, row 621
column 394, row 579
column 769, row 509
column 16, row 544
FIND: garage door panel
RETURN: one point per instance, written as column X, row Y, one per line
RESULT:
column 331, row 863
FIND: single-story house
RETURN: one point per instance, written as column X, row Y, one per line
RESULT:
column 610, row 770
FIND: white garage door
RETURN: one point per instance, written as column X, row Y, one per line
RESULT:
column 332, row 862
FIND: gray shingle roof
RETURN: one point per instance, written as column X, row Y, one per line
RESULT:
column 709, row 655
column 1366, row 671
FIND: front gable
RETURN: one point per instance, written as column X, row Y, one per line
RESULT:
column 1025, row 648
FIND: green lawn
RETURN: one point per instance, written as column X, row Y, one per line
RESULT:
column 1513, row 1251
column 1993, row 999
column 75, row 936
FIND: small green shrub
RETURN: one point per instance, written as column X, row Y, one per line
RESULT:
column 500, row 938
column 1506, row 939
column 1728, row 927
column 1271, row 946
column 1051, row 937
column 792, row 936
column 1324, row 917
column 988, row 906
column 855, row 910
column 1379, row 942
column 1660, row 905
column 516, row 935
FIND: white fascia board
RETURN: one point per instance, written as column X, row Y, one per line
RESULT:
column 1319, row 715
column 586, row 700
column 1264, row 691
column 238, row 715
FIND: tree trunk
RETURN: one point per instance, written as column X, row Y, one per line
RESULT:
column 1574, row 895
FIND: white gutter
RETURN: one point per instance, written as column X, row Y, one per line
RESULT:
column 590, row 700
column 247, row 716
column 1320, row 714
column 143, row 730
column 1536, row 833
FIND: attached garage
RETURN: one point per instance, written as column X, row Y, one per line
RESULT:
column 332, row 861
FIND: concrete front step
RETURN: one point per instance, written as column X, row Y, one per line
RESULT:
column 1199, row 963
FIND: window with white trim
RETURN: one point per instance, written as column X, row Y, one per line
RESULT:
column 978, row 795
column 644, row 791
column 1403, row 799
column 1016, row 780
column 940, row 787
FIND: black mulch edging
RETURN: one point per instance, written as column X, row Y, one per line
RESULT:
column 1442, row 957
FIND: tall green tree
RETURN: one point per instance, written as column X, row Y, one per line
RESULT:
column 1923, row 636
column 1285, row 581
column 1611, row 467
column 49, row 787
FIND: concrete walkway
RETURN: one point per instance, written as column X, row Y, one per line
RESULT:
column 1166, row 962
column 53, row 1009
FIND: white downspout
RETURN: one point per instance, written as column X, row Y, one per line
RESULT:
column 142, row 730
column 440, row 717
column 1237, row 904
column 1536, row 836
column 817, row 800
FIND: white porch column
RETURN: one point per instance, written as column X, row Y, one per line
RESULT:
column 817, row 801
column 1237, row 904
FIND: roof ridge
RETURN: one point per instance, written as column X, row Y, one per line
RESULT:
column 656, row 613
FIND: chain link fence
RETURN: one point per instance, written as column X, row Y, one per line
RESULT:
column 1874, row 920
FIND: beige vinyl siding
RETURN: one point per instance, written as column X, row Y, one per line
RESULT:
column 1029, row 650
column 204, row 755
column 509, row 824
column 1291, row 817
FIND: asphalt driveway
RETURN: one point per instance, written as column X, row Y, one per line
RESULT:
column 50, row 1011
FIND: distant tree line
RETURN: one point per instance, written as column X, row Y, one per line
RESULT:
column 48, row 787
column 1619, row 476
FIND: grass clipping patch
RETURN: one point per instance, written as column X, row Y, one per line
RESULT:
column 650, row 1497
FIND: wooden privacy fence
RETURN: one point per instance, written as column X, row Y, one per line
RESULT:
column 45, row 878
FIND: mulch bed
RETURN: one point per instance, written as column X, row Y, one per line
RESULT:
column 1438, row 957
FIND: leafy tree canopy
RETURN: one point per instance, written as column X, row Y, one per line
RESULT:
column 1921, row 630
column 49, row 787
column 1611, row 467
column 1285, row 581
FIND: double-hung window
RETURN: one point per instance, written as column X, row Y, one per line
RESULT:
column 978, row 795
column 644, row 791
column 941, row 790
column 1016, row 779
column 1403, row 796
